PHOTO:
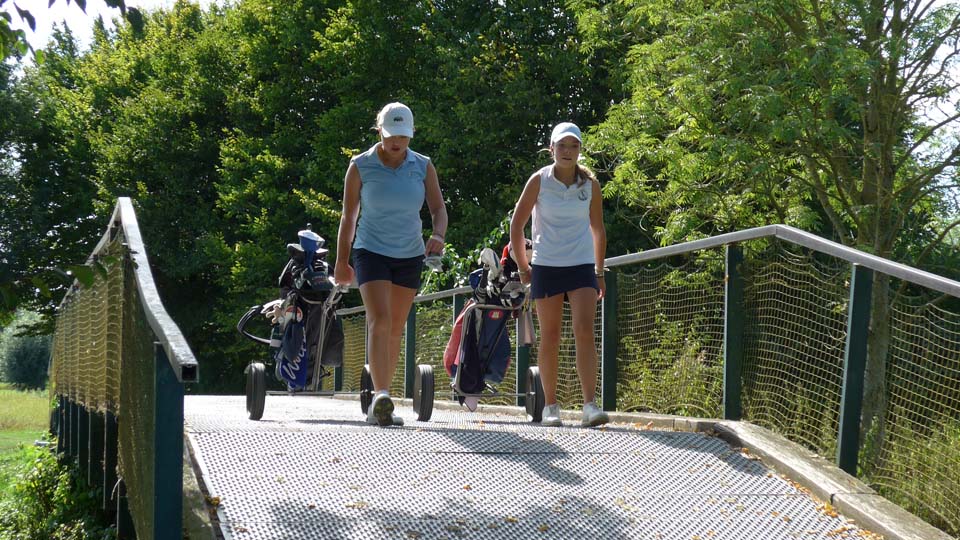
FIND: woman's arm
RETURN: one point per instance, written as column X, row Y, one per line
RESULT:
column 438, row 211
column 521, row 215
column 599, row 234
column 343, row 272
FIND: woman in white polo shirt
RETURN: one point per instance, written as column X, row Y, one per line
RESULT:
column 384, row 190
column 569, row 247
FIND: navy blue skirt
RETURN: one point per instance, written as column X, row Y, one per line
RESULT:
column 547, row 281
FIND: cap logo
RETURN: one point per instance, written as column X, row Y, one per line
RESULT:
column 398, row 119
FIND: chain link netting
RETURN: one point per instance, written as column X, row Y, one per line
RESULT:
column 670, row 324
column 102, row 333
column 354, row 350
column 794, row 338
column 912, row 455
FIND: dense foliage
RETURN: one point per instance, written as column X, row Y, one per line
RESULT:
column 231, row 129
column 23, row 357
column 49, row 502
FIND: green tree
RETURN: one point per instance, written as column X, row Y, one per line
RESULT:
column 814, row 114
column 24, row 356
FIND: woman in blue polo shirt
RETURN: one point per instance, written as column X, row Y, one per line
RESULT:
column 569, row 246
column 384, row 191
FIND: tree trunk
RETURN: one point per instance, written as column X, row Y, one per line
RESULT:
column 875, row 379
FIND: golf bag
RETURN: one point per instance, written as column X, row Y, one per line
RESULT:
column 306, row 334
column 479, row 346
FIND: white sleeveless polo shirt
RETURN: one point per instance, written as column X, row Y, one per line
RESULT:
column 561, row 223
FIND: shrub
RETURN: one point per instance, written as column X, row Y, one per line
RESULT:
column 24, row 358
column 50, row 503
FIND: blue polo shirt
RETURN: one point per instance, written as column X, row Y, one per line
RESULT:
column 390, row 203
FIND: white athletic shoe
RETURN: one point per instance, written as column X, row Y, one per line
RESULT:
column 381, row 412
column 551, row 416
column 593, row 415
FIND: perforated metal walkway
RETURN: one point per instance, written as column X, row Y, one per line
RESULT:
column 312, row 469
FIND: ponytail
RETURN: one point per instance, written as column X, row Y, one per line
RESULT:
column 583, row 175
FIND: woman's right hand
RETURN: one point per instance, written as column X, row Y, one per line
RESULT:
column 343, row 274
column 525, row 276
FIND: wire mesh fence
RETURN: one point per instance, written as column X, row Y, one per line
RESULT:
column 670, row 355
column 112, row 359
column 796, row 309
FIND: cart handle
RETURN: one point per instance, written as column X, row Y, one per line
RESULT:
column 241, row 326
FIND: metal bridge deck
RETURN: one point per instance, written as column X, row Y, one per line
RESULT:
column 313, row 469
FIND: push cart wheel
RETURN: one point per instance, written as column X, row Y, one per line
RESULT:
column 423, row 392
column 534, row 397
column 256, row 390
column 366, row 389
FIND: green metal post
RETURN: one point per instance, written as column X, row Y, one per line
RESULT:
column 95, row 466
column 110, row 449
column 125, row 528
column 610, row 337
column 854, row 366
column 458, row 301
column 62, row 436
column 83, row 438
column 410, row 365
column 338, row 379
column 167, row 450
column 73, row 433
column 733, row 335
column 523, row 362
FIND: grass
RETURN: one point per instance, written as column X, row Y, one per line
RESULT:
column 24, row 418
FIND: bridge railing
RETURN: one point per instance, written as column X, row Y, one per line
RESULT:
column 119, row 365
column 768, row 325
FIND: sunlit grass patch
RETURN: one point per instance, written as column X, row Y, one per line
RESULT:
column 23, row 411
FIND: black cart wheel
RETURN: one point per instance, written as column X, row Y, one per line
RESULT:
column 256, row 390
column 366, row 389
column 423, row 392
column 534, row 398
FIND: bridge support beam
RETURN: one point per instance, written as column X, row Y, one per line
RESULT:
column 111, row 437
column 522, row 353
column 410, row 356
column 854, row 366
column 125, row 528
column 168, row 451
column 83, row 437
column 611, row 340
column 95, row 446
column 733, row 335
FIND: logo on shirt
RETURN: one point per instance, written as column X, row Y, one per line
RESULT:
column 582, row 195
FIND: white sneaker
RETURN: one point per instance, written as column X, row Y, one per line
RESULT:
column 381, row 412
column 593, row 415
column 551, row 416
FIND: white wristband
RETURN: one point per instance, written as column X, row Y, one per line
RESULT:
column 437, row 237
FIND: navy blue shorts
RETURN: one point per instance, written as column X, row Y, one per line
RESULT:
column 547, row 281
column 370, row 266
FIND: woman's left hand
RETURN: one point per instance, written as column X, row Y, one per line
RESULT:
column 434, row 247
column 603, row 287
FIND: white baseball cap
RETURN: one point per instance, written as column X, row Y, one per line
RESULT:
column 565, row 129
column 395, row 119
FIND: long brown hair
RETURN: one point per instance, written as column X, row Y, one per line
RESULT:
column 583, row 174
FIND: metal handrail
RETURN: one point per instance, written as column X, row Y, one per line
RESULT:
column 781, row 232
column 167, row 332
column 801, row 238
